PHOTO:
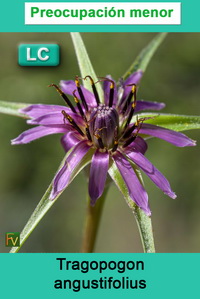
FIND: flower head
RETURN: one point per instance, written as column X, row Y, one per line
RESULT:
column 110, row 131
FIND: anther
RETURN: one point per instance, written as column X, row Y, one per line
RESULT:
column 88, row 133
column 128, row 132
column 63, row 95
column 129, row 98
column 94, row 89
column 115, row 146
column 81, row 93
column 112, row 88
column 101, row 145
column 129, row 141
column 130, row 116
column 111, row 95
column 116, row 141
column 78, row 104
column 138, row 125
column 72, row 122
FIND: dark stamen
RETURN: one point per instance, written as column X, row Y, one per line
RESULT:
column 116, row 142
column 63, row 95
column 112, row 86
column 138, row 124
column 94, row 89
column 81, row 93
column 129, row 141
column 129, row 98
column 83, row 115
column 111, row 95
column 130, row 116
column 78, row 105
column 88, row 133
column 101, row 145
column 72, row 122
column 115, row 146
column 128, row 132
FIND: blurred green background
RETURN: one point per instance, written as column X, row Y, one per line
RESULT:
column 26, row 171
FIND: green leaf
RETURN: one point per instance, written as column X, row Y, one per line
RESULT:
column 12, row 108
column 143, row 221
column 145, row 55
column 85, row 65
column 173, row 121
column 45, row 203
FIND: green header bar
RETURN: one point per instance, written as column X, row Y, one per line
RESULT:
column 13, row 20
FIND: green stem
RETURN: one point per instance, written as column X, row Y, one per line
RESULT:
column 144, row 223
column 93, row 217
column 146, row 232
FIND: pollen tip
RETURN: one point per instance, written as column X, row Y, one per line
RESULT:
column 52, row 196
column 161, row 105
column 61, row 82
column 25, row 109
column 147, row 212
column 31, row 122
column 14, row 141
column 191, row 142
column 92, row 203
column 174, row 196
column 194, row 142
column 93, row 200
column 171, row 194
column 139, row 71
column 22, row 110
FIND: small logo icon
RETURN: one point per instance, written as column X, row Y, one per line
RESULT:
column 12, row 239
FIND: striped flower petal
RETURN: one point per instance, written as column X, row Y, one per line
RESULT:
column 37, row 110
column 69, row 140
column 98, row 174
column 139, row 145
column 176, row 138
column 136, row 190
column 38, row 132
column 63, row 176
column 144, row 105
column 152, row 172
column 55, row 118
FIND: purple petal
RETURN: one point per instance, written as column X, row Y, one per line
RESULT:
column 136, row 190
column 153, row 173
column 69, row 140
column 144, row 105
column 63, row 176
column 171, row 136
column 139, row 145
column 132, row 79
column 106, row 89
column 98, row 174
column 38, row 110
column 54, row 119
column 38, row 132
column 69, row 86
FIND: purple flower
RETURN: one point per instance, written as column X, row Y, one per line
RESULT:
column 110, row 131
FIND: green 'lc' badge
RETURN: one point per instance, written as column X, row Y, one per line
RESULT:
column 38, row 54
